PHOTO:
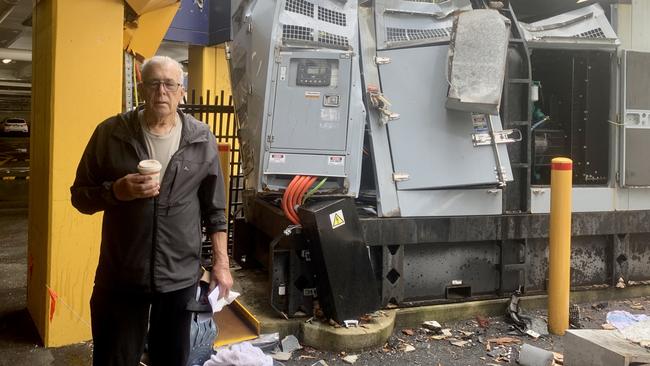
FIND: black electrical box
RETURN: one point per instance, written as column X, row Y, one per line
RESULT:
column 347, row 287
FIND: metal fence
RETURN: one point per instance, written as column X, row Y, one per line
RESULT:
column 218, row 112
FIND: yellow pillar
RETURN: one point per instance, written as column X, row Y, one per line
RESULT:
column 559, row 261
column 208, row 70
column 77, row 65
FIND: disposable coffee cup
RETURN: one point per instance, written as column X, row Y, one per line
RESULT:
column 151, row 168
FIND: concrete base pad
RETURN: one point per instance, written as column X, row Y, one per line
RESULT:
column 366, row 336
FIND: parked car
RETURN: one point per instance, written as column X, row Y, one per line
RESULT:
column 14, row 126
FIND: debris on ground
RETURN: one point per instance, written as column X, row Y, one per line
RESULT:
column 408, row 332
column 599, row 306
column 444, row 334
column 513, row 310
column 535, row 356
column 533, row 334
column 483, row 322
column 433, row 326
column 608, row 326
column 320, row 363
column 637, row 306
column 501, row 354
column 528, row 325
column 408, row 348
column 350, row 359
column 290, row 343
column 459, row 343
column 574, row 316
column 502, row 341
column 620, row 283
column 498, row 5
column 281, row 356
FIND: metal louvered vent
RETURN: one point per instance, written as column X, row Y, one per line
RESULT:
column 332, row 40
column 405, row 34
column 297, row 33
column 301, row 7
column 331, row 16
column 592, row 33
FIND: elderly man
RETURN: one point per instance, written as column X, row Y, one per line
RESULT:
column 149, row 261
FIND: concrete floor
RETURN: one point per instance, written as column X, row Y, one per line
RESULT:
column 20, row 344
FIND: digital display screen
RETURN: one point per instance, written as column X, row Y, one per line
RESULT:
column 314, row 72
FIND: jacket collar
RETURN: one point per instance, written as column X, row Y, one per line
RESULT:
column 129, row 130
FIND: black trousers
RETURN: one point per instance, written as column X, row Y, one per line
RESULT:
column 120, row 320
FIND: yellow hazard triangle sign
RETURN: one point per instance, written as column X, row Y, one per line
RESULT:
column 337, row 219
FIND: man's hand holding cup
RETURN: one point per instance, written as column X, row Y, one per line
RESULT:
column 143, row 185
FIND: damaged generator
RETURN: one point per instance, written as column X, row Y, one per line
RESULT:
column 398, row 151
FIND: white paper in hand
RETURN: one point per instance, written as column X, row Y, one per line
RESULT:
column 218, row 304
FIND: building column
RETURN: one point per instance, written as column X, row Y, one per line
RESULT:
column 208, row 71
column 77, row 63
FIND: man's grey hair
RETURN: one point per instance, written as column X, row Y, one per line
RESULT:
column 162, row 60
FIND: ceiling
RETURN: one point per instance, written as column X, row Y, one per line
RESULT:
column 17, row 37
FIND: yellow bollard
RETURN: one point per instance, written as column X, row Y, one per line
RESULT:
column 559, row 261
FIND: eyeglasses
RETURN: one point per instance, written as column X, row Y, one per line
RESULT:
column 169, row 85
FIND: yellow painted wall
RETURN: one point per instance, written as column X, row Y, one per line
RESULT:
column 208, row 70
column 77, row 84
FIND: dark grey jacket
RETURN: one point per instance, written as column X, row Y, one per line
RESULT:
column 151, row 244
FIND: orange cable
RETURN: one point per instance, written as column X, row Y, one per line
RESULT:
column 285, row 199
column 309, row 183
column 292, row 194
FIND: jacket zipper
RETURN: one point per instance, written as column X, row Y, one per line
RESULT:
column 154, row 230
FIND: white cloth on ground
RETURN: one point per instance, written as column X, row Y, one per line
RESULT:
column 240, row 354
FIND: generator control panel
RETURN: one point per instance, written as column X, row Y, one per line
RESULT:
column 313, row 72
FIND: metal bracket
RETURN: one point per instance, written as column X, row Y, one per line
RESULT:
column 382, row 60
column 380, row 102
column 387, row 116
column 227, row 48
column 500, row 137
column 401, row 177
column 129, row 103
